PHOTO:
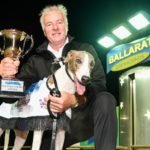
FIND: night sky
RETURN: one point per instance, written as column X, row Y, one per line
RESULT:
column 88, row 20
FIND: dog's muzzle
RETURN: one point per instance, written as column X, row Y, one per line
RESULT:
column 85, row 80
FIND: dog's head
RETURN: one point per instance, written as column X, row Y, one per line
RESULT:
column 80, row 63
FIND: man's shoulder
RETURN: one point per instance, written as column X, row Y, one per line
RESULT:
column 79, row 43
column 76, row 45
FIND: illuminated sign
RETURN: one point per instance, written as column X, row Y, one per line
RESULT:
column 128, row 55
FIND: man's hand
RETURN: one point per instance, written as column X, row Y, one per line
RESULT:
column 8, row 67
column 60, row 104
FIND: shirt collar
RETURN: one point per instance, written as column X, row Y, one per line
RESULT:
column 58, row 53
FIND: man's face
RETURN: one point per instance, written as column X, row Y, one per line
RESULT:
column 55, row 28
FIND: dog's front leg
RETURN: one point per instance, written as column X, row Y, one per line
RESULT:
column 60, row 138
column 1, row 131
column 20, row 139
column 37, row 138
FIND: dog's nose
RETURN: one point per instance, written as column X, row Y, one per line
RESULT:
column 85, row 79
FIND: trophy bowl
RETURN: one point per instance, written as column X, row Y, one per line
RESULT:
column 15, row 44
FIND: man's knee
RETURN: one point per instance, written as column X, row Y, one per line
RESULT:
column 105, row 101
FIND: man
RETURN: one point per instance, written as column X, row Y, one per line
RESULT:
column 97, row 115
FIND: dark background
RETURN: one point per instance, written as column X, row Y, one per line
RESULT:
column 88, row 20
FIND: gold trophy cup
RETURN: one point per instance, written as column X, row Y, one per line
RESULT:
column 15, row 44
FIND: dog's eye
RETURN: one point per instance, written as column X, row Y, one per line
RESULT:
column 78, row 61
column 92, row 64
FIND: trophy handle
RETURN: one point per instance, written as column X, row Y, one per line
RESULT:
column 27, row 38
column 1, row 50
column 1, row 33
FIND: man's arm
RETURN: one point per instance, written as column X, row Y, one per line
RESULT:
column 98, row 79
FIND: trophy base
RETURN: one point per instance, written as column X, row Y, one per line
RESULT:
column 11, row 95
column 11, row 89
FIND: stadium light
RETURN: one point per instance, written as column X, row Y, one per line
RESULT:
column 106, row 41
column 139, row 21
column 121, row 32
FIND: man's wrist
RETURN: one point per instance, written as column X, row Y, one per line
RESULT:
column 79, row 100
column 75, row 102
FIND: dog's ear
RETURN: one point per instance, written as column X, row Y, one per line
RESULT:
column 69, row 56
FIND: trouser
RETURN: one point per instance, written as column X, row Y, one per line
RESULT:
column 98, row 118
column 105, row 122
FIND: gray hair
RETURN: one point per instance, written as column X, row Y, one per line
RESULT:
column 50, row 8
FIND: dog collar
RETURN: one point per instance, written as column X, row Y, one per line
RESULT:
column 66, row 68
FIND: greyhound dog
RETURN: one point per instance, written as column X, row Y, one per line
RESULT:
column 71, row 77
